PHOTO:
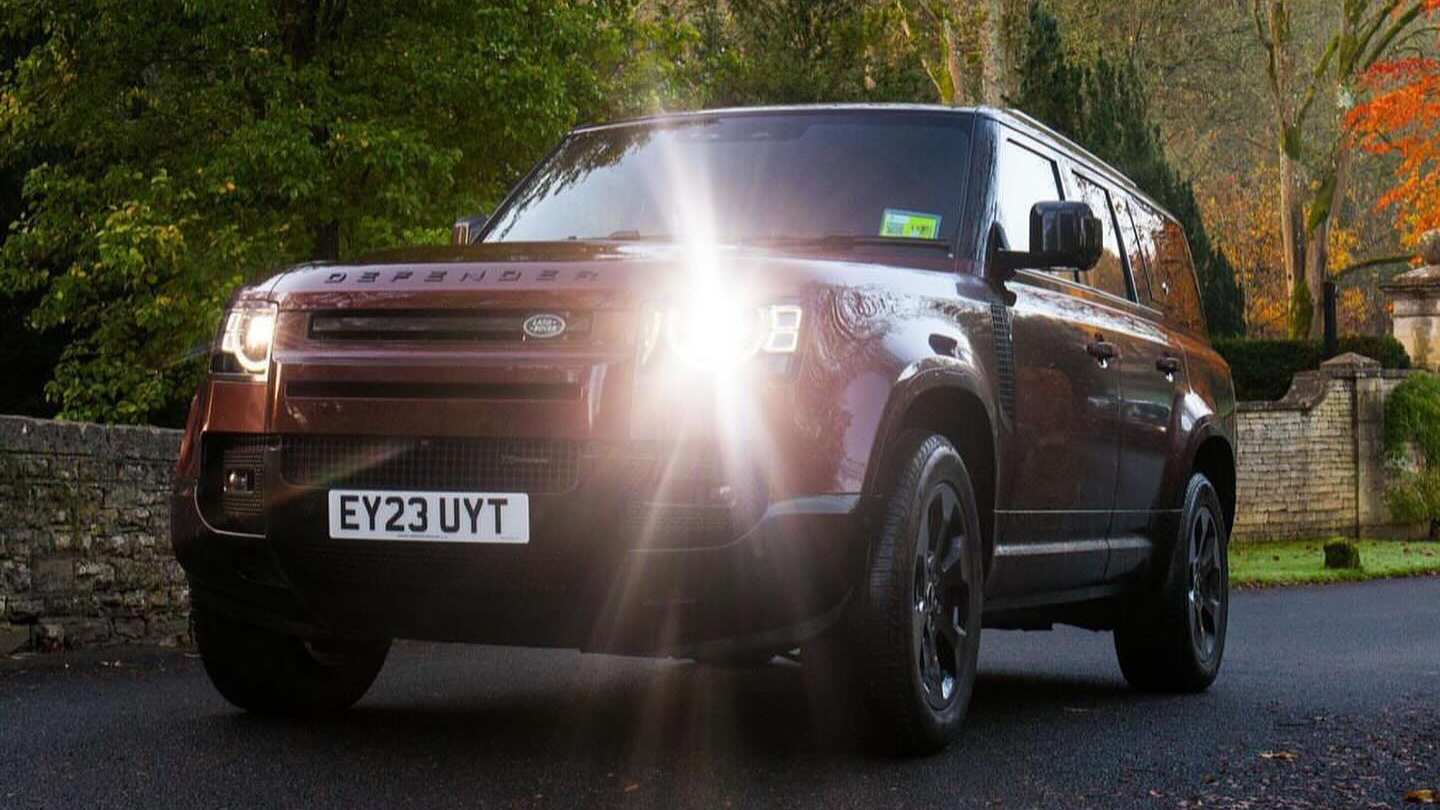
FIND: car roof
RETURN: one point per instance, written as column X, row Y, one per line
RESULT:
column 1011, row 117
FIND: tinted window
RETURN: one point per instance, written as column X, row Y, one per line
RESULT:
column 1026, row 178
column 743, row 177
column 1108, row 274
column 1173, row 289
column 1134, row 247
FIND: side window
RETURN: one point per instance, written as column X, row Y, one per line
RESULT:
column 1108, row 274
column 1173, row 287
column 1026, row 177
column 1134, row 247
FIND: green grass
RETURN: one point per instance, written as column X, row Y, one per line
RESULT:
column 1261, row 564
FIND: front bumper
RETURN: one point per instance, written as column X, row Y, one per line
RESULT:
column 601, row 572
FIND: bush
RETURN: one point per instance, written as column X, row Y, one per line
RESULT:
column 1262, row 368
column 1342, row 554
column 1412, row 420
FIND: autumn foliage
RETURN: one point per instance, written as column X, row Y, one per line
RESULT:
column 1401, row 117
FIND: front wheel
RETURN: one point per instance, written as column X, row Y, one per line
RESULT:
column 1175, row 639
column 266, row 672
column 904, row 655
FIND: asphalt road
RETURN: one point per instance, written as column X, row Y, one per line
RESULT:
column 1329, row 697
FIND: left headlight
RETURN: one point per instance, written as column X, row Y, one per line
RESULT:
column 245, row 339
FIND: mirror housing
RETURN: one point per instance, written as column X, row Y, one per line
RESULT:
column 465, row 228
column 1062, row 235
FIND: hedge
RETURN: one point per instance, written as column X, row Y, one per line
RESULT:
column 1262, row 368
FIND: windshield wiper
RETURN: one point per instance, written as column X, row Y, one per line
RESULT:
column 846, row 241
column 636, row 236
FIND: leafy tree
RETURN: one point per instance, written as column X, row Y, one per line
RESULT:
column 1102, row 105
column 1365, row 34
column 171, row 149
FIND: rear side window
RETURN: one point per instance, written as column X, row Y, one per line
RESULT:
column 1108, row 274
column 1172, row 272
column 1134, row 249
column 1026, row 177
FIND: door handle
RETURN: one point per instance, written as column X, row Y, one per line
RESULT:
column 1100, row 349
column 1167, row 364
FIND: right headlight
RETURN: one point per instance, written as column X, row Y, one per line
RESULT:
column 715, row 335
column 245, row 339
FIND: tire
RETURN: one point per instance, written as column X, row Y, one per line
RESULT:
column 270, row 673
column 902, row 658
column 1174, row 640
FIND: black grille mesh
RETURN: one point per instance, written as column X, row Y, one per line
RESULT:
column 234, row 510
column 496, row 464
column 1004, row 355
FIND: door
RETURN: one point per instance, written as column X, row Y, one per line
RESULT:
column 1052, row 536
column 1152, row 373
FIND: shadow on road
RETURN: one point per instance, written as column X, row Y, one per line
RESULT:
column 657, row 711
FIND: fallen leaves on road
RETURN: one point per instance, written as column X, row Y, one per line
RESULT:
column 1421, row 796
column 1283, row 756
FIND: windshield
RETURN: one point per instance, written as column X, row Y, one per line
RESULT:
column 883, row 174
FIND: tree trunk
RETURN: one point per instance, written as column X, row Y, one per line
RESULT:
column 1292, row 237
column 1317, row 248
column 327, row 242
column 992, row 57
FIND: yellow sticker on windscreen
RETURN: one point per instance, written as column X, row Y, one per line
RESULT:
column 909, row 224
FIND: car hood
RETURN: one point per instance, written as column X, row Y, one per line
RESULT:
column 596, row 275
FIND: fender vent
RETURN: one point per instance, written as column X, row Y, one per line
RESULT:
column 1004, row 356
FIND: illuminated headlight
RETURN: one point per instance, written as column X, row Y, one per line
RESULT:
column 718, row 335
column 245, row 339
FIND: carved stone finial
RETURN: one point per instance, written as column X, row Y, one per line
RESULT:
column 1430, row 247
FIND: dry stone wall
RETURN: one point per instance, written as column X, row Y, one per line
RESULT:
column 1311, row 465
column 85, row 555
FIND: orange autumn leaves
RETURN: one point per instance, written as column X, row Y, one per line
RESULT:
column 1400, row 117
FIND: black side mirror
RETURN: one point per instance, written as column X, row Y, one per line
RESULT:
column 465, row 229
column 1062, row 235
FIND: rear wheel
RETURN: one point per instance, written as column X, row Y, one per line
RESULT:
column 903, row 657
column 267, row 672
column 1174, row 641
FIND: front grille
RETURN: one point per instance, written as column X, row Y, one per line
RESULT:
column 448, row 325
column 487, row 464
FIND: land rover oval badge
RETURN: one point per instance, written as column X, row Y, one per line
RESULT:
column 543, row 325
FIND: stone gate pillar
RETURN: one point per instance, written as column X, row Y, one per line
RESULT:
column 1415, row 295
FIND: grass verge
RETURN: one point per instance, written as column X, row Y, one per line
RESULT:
column 1292, row 563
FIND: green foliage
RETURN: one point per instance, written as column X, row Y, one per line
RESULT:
column 748, row 52
column 1102, row 106
column 172, row 149
column 1412, row 420
column 1262, row 369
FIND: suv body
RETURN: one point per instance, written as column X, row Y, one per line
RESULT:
column 666, row 480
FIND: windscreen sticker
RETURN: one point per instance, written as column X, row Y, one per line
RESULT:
column 909, row 224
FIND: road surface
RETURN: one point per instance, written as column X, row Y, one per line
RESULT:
column 1329, row 697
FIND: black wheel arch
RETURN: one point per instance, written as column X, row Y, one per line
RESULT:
column 951, row 402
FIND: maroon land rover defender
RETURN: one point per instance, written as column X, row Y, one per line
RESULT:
column 857, row 380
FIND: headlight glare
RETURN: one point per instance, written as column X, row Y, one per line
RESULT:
column 246, row 338
column 716, row 335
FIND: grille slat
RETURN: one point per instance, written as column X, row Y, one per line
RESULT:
column 441, row 325
column 494, row 464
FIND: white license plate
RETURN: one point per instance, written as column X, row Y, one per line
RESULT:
column 455, row 517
